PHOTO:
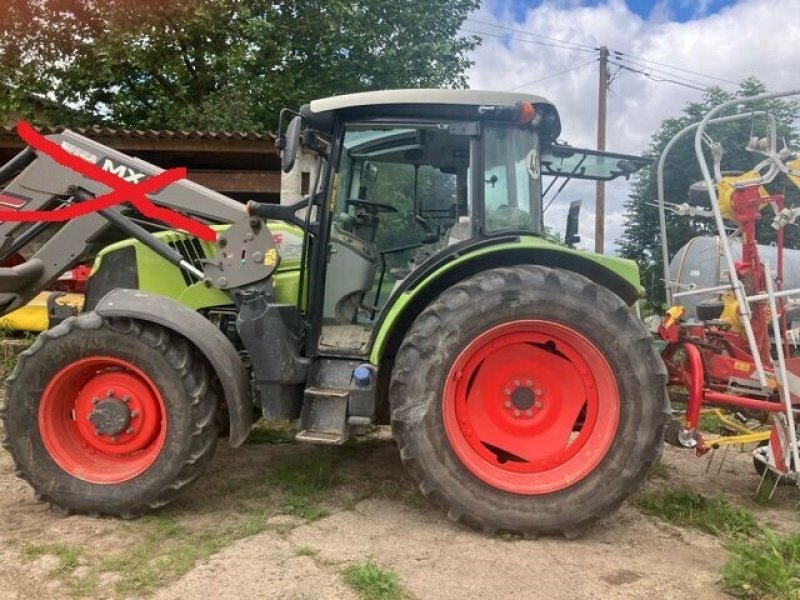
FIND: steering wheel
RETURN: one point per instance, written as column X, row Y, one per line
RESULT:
column 370, row 206
column 430, row 236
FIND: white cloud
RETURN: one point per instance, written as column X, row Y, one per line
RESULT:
column 754, row 37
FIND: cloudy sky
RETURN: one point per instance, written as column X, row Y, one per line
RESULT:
column 720, row 41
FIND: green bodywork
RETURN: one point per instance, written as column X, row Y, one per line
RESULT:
column 626, row 269
column 157, row 276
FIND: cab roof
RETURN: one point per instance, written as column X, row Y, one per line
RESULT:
column 423, row 96
column 411, row 104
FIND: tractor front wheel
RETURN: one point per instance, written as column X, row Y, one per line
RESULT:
column 110, row 416
column 528, row 399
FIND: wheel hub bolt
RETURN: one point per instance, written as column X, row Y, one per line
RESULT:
column 508, row 404
column 126, row 399
column 129, row 430
column 95, row 400
column 538, row 405
column 529, row 413
column 134, row 414
column 110, row 394
column 516, row 413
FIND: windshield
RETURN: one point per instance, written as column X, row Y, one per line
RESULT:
column 577, row 163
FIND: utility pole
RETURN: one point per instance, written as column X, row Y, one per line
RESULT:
column 600, row 189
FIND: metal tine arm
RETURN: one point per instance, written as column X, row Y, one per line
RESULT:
column 662, row 216
column 738, row 288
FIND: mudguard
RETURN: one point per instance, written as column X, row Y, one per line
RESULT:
column 209, row 340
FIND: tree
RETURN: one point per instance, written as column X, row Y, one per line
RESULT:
column 641, row 239
column 220, row 64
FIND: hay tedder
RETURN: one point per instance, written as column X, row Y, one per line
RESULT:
column 735, row 356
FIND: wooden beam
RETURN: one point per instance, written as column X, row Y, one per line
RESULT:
column 238, row 181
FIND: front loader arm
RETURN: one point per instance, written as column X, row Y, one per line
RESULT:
column 38, row 183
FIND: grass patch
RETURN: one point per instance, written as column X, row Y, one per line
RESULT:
column 767, row 568
column 714, row 515
column 167, row 550
column 371, row 582
column 395, row 490
column 272, row 432
column 82, row 586
column 306, row 551
column 9, row 351
column 305, row 481
column 68, row 556
column 659, row 470
column 710, row 423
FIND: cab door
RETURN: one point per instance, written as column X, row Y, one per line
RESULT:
column 400, row 194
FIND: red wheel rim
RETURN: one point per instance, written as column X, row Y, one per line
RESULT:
column 531, row 407
column 102, row 420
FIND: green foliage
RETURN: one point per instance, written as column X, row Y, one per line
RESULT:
column 659, row 470
column 67, row 555
column 714, row 515
column 306, row 551
column 640, row 240
column 710, row 423
column 219, row 64
column 768, row 568
column 272, row 432
column 371, row 582
column 304, row 482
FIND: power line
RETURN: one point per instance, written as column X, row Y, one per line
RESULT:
column 664, row 72
column 656, row 78
column 619, row 55
column 594, row 60
column 480, row 33
column 538, row 35
column 660, row 64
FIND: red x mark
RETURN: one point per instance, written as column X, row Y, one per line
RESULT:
column 122, row 191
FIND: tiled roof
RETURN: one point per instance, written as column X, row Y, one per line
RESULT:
column 107, row 132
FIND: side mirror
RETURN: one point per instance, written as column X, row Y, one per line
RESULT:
column 291, row 144
column 571, row 236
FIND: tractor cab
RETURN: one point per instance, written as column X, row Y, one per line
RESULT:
column 407, row 179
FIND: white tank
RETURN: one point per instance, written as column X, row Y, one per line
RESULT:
column 700, row 264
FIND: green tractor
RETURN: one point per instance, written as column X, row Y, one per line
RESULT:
column 414, row 286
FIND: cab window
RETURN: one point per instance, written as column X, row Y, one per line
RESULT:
column 512, row 183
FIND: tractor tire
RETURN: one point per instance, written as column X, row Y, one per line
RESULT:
column 109, row 416
column 529, row 400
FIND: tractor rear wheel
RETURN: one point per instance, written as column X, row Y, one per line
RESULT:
column 528, row 399
column 110, row 416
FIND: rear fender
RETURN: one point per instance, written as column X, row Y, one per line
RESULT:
column 460, row 261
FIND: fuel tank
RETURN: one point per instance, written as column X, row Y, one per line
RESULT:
column 700, row 263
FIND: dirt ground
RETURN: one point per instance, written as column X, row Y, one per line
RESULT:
column 239, row 533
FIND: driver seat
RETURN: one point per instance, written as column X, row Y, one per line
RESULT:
column 352, row 265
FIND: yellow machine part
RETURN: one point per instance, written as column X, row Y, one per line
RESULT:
column 725, row 192
column 794, row 165
column 673, row 315
column 34, row 315
column 730, row 314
